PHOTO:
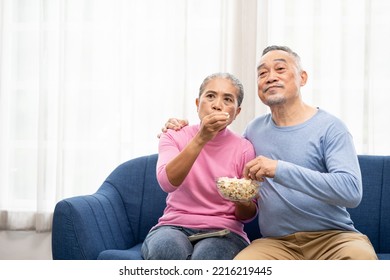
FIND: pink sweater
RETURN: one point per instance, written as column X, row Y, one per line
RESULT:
column 196, row 203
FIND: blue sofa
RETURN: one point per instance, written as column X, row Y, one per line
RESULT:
column 113, row 222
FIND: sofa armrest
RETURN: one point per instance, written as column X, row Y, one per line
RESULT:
column 84, row 226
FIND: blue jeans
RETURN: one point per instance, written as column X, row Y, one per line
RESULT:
column 171, row 243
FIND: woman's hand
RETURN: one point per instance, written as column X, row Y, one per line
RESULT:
column 211, row 124
column 245, row 210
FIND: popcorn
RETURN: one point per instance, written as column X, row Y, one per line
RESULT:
column 237, row 189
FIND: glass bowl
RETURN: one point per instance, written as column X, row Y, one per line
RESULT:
column 234, row 189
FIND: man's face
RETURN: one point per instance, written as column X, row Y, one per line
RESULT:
column 278, row 78
column 218, row 96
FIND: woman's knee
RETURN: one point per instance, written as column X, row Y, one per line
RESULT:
column 166, row 244
column 219, row 248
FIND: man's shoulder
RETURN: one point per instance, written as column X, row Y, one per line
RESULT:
column 265, row 118
column 260, row 120
column 329, row 118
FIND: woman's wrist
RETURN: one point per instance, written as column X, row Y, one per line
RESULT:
column 244, row 203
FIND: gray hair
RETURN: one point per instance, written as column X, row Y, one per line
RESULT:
column 286, row 49
column 236, row 82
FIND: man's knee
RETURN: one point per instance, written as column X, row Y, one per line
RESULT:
column 259, row 249
column 358, row 251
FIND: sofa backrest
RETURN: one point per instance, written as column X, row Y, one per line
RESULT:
column 372, row 216
column 141, row 194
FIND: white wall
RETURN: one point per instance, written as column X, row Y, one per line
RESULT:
column 25, row 245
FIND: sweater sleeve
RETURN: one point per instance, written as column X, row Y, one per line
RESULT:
column 167, row 149
column 340, row 185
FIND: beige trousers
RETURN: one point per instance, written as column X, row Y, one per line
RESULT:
column 320, row 245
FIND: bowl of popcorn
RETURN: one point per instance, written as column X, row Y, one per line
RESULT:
column 235, row 189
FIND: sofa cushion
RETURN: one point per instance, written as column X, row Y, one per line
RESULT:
column 384, row 256
column 133, row 253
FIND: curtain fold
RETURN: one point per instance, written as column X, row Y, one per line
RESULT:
column 86, row 85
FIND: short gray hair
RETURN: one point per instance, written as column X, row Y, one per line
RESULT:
column 236, row 82
column 286, row 49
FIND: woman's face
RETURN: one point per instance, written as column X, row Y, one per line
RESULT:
column 219, row 96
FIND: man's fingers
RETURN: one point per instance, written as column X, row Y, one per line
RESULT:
column 175, row 124
column 171, row 124
column 252, row 170
column 183, row 123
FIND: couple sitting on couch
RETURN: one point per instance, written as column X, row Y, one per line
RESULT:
column 305, row 160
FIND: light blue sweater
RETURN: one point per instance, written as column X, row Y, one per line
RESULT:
column 317, row 176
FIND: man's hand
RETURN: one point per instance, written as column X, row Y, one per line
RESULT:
column 173, row 123
column 259, row 168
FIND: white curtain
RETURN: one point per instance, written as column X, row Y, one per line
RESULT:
column 88, row 84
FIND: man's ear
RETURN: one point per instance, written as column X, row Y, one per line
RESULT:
column 303, row 78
